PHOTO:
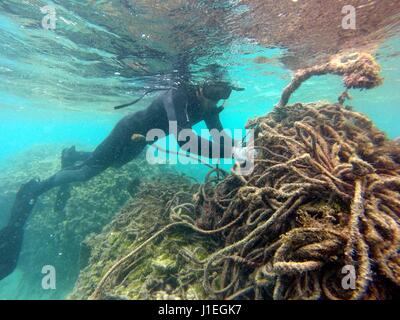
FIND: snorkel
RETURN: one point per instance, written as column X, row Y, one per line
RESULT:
column 122, row 106
column 212, row 91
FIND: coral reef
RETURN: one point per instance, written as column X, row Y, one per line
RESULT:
column 168, row 267
column 55, row 238
column 323, row 200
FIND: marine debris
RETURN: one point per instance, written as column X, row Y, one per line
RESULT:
column 359, row 71
column 318, row 218
column 324, row 198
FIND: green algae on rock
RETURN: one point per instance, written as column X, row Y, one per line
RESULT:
column 168, row 268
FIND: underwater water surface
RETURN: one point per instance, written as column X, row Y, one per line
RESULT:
column 58, row 89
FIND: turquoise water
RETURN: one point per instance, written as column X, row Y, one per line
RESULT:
column 59, row 87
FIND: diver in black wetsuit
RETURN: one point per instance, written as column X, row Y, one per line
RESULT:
column 186, row 105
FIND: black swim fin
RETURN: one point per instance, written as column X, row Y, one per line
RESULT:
column 12, row 235
column 10, row 246
column 24, row 202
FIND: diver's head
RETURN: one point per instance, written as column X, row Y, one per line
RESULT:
column 214, row 91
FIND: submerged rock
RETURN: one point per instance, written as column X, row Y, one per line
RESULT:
column 166, row 268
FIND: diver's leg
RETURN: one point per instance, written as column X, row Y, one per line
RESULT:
column 10, row 246
column 70, row 157
column 109, row 152
column 82, row 156
column 80, row 173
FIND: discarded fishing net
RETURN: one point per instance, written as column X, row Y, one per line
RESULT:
column 319, row 217
column 323, row 200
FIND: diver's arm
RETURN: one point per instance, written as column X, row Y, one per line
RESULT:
column 221, row 145
column 204, row 147
column 175, row 103
column 219, row 135
column 213, row 121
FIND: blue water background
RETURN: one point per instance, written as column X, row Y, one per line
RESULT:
column 28, row 119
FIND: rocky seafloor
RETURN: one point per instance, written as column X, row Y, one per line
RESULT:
column 168, row 267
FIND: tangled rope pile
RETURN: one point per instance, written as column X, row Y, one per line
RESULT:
column 324, row 196
column 323, row 201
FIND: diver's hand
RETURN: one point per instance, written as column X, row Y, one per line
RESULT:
column 220, row 109
column 242, row 155
column 244, row 160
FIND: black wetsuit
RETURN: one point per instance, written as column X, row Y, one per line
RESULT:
column 181, row 105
